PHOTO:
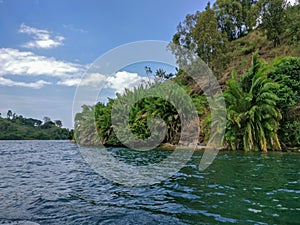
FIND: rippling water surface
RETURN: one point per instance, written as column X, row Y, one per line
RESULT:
column 48, row 182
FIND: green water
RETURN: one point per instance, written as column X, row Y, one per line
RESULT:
column 48, row 182
column 249, row 188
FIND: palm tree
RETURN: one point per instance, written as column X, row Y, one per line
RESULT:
column 253, row 118
column 145, row 107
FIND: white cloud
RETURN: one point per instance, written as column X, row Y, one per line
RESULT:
column 42, row 38
column 36, row 85
column 118, row 82
column 127, row 80
column 26, row 63
column 15, row 62
column 91, row 80
column 69, row 82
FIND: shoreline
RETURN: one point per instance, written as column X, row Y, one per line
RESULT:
column 167, row 146
column 171, row 147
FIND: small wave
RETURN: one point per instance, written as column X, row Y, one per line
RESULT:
column 255, row 210
column 19, row 222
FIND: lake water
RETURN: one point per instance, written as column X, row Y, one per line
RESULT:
column 48, row 182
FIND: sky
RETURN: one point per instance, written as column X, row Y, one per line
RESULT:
column 47, row 45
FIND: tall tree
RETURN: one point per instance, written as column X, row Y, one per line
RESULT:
column 199, row 35
column 253, row 117
column 9, row 114
column 184, row 36
column 58, row 123
column 228, row 13
column 210, row 41
column 235, row 17
column 183, row 43
column 273, row 19
column 46, row 119
column 292, row 29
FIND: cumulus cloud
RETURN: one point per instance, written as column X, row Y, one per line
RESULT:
column 26, row 63
column 123, row 79
column 15, row 62
column 36, row 85
column 41, row 38
column 117, row 82
column 90, row 80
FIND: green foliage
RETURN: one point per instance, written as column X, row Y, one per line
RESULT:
column 17, row 127
column 253, row 118
column 184, row 80
column 9, row 114
column 85, row 132
column 235, row 17
column 286, row 72
column 224, row 38
column 199, row 34
column 58, row 123
column 289, row 132
column 273, row 19
column 94, row 124
column 206, row 127
column 247, row 50
column 103, row 124
column 145, row 110
column 272, row 26
column 292, row 25
column 210, row 42
column 252, row 103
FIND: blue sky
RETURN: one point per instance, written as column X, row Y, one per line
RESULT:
column 46, row 45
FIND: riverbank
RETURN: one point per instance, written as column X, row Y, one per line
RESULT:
column 167, row 146
column 198, row 147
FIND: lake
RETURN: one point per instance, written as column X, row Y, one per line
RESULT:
column 49, row 182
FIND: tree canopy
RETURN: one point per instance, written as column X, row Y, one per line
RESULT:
column 17, row 127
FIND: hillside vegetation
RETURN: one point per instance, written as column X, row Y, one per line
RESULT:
column 17, row 127
column 253, row 49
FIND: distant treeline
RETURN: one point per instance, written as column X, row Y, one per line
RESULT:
column 17, row 127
